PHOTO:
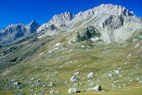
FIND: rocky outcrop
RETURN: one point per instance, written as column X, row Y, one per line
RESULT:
column 88, row 34
column 113, row 22
column 57, row 22
column 62, row 19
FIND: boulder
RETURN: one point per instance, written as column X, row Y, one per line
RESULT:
column 96, row 88
column 52, row 92
column 76, row 73
column 17, row 83
column 140, row 82
column 90, row 75
column 73, row 90
column 51, row 84
column 74, row 79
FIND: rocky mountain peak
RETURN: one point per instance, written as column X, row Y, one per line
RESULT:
column 106, row 16
column 105, row 9
column 113, row 10
column 33, row 23
column 16, row 31
column 56, row 22
column 33, row 26
column 62, row 18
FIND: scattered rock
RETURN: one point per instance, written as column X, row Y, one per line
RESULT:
column 74, row 79
column 137, row 79
column 120, row 76
column 17, row 83
column 51, row 84
column 117, row 71
column 57, row 44
column 52, row 92
column 140, row 82
column 32, row 78
column 97, row 88
column 82, row 46
column 77, row 84
column 110, row 75
column 54, row 73
column 129, row 55
column 66, row 82
column 13, row 80
column 76, row 73
column 90, row 75
column 73, row 90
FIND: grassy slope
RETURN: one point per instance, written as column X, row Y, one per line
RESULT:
column 98, row 58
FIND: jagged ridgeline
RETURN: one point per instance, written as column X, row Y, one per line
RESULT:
column 115, row 23
column 95, row 52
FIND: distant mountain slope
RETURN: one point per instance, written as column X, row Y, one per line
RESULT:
column 15, row 32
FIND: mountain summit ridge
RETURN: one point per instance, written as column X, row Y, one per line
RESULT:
column 106, row 18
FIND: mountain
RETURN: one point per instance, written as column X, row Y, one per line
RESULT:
column 15, row 32
column 95, row 52
column 110, row 20
column 54, row 25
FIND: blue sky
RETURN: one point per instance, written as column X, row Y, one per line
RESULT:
column 24, row 11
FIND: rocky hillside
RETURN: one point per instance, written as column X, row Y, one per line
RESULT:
column 96, row 52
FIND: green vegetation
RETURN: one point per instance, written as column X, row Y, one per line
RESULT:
column 88, row 33
column 116, row 66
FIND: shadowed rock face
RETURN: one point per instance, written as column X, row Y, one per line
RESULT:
column 33, row 26
column 113, row 22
